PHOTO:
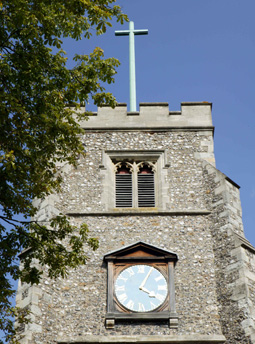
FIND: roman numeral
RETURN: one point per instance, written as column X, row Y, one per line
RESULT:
column 130, row 304
column 122, row 278
column 130, row 271
column 152, row 305
column 162, row 287
column 122, row 298
column 160, row 297
column 120, row 288
column 141, row 307
column 158, row 278
column 140, row 269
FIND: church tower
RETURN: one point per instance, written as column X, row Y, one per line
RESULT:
column 173, row 265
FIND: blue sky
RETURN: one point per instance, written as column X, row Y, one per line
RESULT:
column 196, row 50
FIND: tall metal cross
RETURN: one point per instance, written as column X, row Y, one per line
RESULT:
column 132, row 84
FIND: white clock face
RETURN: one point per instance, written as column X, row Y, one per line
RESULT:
column 141, row 288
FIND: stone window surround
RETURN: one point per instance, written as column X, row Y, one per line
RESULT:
column 107, row 171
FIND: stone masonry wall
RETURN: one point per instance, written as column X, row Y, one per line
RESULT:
column 234, row 258
column 77, row 306
column 201, row 222
column 82, row 187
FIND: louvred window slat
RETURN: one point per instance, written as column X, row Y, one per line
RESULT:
column 124, row 188
column 146, row 192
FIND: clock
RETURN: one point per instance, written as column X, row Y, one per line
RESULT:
column 140, row 285
column 141, row 288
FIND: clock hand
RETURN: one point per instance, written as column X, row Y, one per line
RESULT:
column 145, row 290
column 151, row 293
column 145, row 280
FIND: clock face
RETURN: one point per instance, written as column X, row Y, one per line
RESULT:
column 141, row 288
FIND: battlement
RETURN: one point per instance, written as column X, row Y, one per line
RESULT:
column 152, row 116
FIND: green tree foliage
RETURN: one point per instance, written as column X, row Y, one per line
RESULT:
column 38, row 97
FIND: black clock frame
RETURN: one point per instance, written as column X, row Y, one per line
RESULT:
column 140, row 253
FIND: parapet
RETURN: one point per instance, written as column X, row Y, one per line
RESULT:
column 151, row 116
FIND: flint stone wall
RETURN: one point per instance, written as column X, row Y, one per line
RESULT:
column 201, row 222
column 83, row 187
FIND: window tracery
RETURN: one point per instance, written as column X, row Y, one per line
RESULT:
column 134, row 184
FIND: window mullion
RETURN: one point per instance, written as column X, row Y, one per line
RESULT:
column 135, row 186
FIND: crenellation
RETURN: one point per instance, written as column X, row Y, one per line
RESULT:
column 151, row 116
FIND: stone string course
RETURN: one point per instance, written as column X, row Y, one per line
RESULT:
column 215, row 274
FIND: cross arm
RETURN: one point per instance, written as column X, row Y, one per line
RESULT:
column 122, row 33
column 127, row 32
column 141, row 32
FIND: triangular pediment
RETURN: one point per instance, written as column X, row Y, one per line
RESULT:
column 141, row 250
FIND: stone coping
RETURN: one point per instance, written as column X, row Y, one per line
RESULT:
column 122, row 212
column 196, row 103
column 149, row 128
column 175, row 339
column 232, row 182
column 154, row 104
column 118, row 104
column 163, row 104
column 242, row 241
column 136, row 113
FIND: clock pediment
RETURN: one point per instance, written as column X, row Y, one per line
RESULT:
column 140, row 285
column 141, row 250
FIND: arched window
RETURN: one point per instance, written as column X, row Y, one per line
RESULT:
column 146, row 190
column 134, row 185
column 123, row 186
